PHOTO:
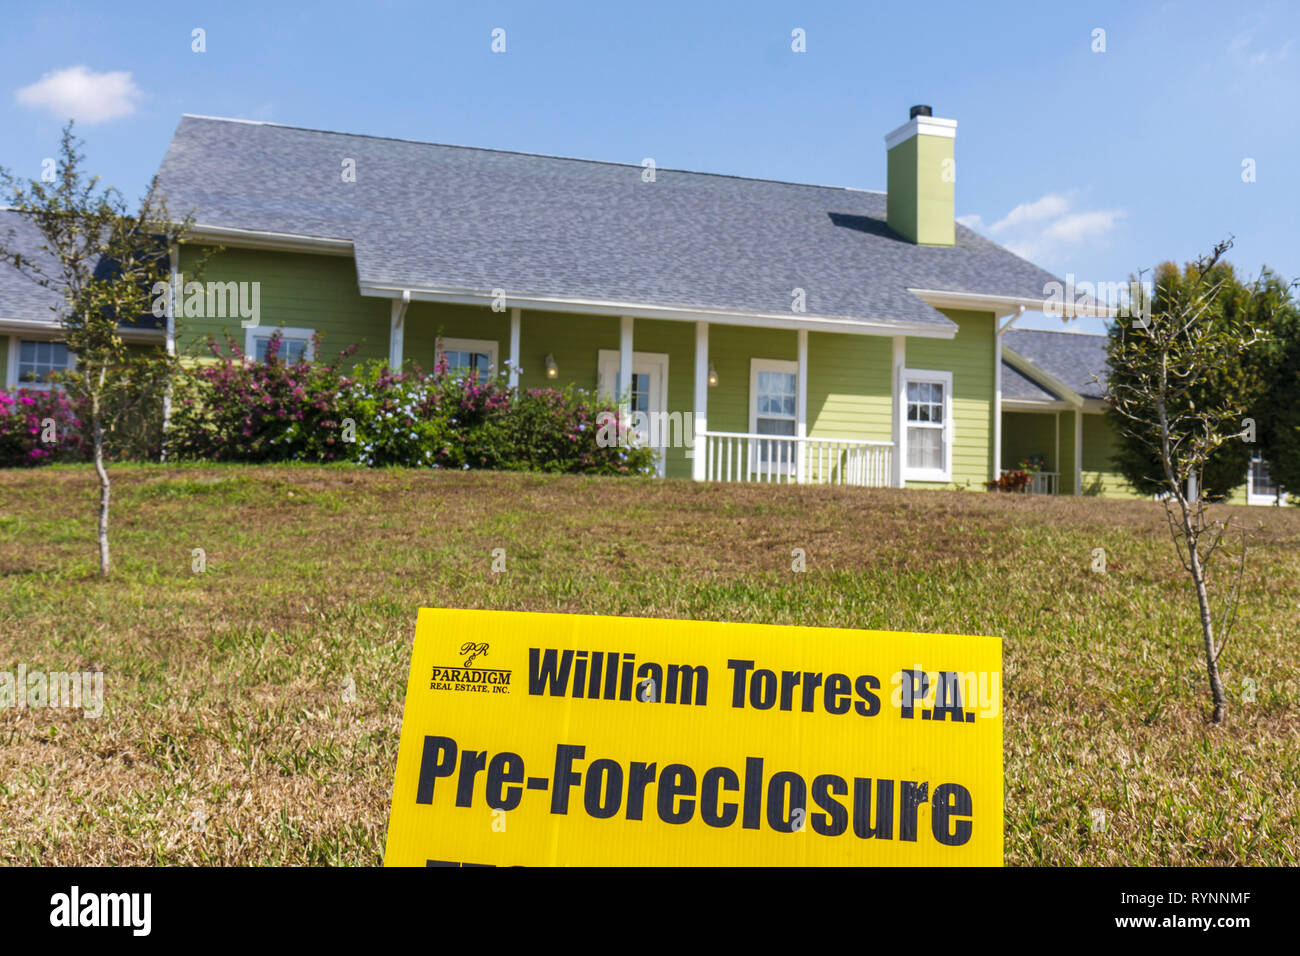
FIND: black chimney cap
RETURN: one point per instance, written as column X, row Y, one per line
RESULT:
column 919, row 111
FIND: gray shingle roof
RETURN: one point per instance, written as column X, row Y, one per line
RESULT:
column 20, row 297
column 1016, row 384
column 1073, row 357
column 426, row 216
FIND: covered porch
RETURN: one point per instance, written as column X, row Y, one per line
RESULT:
column 719, row 401
column 1045, row 443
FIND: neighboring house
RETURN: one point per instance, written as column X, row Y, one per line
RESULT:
column 769, row 331
column 30, row 349
column 1052, row 409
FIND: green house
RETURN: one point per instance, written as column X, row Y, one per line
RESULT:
column 757, row 330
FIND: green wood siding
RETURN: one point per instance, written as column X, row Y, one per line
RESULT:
column 4, row 361
column 298, row 291
column 1030, row 433
column 731, row 348
column 849, row 386
column 426, row 321
column 1099, row 475
column 969, row 356
column 574, row 340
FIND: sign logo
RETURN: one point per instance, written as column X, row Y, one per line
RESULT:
column 631, row 741
column 469, row 678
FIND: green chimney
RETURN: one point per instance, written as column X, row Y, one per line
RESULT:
column 922, row 174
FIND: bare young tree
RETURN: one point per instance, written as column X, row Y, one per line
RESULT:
column 104, row 261
column 1156, row 360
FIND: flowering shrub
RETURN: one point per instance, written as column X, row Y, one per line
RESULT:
column 28, row 417
column 240, row 410
column 558, row 431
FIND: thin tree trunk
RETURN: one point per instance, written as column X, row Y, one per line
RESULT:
column 166, row 422
column 1207, row 634
column 104, row 490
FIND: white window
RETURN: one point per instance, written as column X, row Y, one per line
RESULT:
column 773, row 410
column 470, row 356
column 927, row 425
column 295, row 344
column 34, row 361
column 1261, row 489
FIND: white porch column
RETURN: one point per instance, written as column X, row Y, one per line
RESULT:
column 396, row 329
column 801, row 406
column 1056, row 454
column 514, row 347
column 1078, row 450
column 900, row 409
column 624, row 355
column 998, row 328
column 997, row 400
column 701, row 412
column 174, row 254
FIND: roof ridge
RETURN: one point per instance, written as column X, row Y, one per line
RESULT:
column 517, row 152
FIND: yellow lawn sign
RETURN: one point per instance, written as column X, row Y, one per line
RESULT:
column 575, row 740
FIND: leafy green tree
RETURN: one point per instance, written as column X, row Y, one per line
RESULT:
column 105, row 262
column 1279, row 414
column 1238, row 378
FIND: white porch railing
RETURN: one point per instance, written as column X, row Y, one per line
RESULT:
column 744, row 456
column 1040, row 482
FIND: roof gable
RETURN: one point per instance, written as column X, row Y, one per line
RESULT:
column 1076, row 359
column 1017, row 385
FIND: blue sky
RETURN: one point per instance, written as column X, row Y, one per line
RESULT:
column 1090, row 163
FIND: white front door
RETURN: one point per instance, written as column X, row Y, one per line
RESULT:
column 647, row 394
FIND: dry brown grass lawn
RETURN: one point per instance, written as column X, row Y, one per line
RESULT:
column 226, row 739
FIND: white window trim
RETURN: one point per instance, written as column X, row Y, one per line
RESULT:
column 1254, row 499
column 654, row 363
column 11, row 365
column 286, row 333
column 487, row 346
column 757, row 365
column 945, row 379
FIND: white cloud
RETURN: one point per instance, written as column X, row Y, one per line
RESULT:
column 79, row 94
column 1047, row 227
column 973, row 221
column 1239, row 47
column 1049, row 206
column 1264, row 56
column 1079, row 226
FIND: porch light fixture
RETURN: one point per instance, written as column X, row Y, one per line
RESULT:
column 552, row 369
column 713, row 375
